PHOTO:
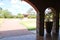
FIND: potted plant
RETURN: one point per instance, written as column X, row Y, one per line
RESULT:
column 49, row 22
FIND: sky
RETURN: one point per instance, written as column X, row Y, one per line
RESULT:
column 15, row 6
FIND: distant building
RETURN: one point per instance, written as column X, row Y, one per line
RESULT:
column 25, row 15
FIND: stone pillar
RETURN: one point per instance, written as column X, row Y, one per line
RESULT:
column 40, row 26
column 37, row 29
column 40, row 23
column 57, row 22
column 37, row 23
column 54, row 23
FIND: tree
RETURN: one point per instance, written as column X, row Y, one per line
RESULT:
column 1, row 13
column 20, row 15
column 0, row 8
column 6, row 13
column 31, row 11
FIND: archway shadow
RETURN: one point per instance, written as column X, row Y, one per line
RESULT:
column 13, row 33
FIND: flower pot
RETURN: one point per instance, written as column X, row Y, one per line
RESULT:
column 49, row 27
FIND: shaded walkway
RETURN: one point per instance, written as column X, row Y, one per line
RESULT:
column 12, row 27
column 33, row 37
column 25, row 37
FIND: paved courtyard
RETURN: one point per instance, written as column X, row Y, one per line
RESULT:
column 12, row 28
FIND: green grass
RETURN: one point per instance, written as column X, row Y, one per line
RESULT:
column 29, row 23
column 1, row 20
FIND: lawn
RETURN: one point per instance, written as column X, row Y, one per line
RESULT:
column 1, row 20
column 29, row 23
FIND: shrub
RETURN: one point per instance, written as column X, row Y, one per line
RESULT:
column 31, row 16
column 1, row 16
column 20, row 16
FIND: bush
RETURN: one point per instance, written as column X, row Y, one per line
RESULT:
column 32, row 16
column 1, row 16
column 20, row 16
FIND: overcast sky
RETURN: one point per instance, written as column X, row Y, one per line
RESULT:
column 15, row 6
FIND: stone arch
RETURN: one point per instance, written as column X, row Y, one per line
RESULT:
column 36, row 9
column 41, row 5
column 52, row 9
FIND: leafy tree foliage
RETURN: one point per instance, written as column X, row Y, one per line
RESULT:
column 5, row 13
column 20, row 15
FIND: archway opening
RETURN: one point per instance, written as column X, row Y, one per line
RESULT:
column 50, row 19
column 27, row 17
